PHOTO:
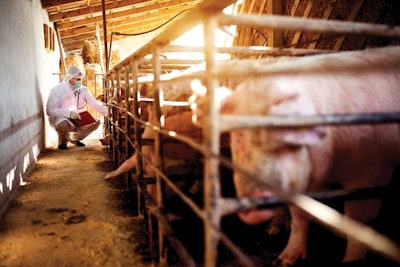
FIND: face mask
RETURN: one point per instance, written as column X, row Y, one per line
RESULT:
column 78, row 84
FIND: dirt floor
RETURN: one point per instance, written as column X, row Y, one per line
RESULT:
column 68, row 215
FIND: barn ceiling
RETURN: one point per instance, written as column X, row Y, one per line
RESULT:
column 79, row 21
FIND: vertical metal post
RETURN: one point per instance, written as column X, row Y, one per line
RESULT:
column 117, row 133
column 211, row 133
column 127, row 121
column 138, row 137
column 103, row 3
column 158, row 104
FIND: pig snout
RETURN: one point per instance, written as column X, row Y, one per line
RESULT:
column 271, row 167
column 277, row 159
column 273, row 164
column 257, row 216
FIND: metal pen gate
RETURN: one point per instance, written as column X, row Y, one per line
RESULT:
column 126, row 125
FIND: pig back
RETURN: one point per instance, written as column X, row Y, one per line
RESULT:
column 363, row 82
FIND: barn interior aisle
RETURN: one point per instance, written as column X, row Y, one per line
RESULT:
column 68, row 215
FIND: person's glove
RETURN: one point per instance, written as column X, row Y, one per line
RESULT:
column 74, row 115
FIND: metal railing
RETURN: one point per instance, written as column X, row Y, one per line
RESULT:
column 126, row 125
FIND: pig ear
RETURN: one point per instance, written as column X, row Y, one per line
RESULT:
column 300, row 105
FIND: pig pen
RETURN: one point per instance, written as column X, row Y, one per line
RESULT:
column 197, row 226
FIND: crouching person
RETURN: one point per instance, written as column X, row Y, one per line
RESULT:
column 65, row 102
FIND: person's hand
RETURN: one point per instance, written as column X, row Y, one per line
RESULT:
column 74, row 115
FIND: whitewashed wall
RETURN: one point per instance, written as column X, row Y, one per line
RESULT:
column 26, row 76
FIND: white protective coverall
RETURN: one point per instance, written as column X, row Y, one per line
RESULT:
column 63, row 99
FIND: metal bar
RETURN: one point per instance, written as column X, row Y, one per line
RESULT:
column 212, row 191
column 233, row 205
column 103, row 9
column 234, row 122
column 347, row 227
column 307, row 24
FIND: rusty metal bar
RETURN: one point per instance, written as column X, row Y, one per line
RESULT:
column 234, row 122
column 233, row 205
column 347, row 227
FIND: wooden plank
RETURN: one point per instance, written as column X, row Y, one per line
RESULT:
column 352, row 17
column 248, row 31
column 139, row 24
column 62, row 56
column 51, row 3
column 92, row 9
column 241, row 31
column 262, row 7
column 275, row 37
column 306, row 13
column 325, row 16
column 128, row 15
column 294, row 8
column 134, row 27
column 251, row 6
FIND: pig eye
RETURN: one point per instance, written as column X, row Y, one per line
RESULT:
column 287, row 148
column 292, row 147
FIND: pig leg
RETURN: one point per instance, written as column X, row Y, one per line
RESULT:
column 106, row 140
column 281, row 218
column 126, row 166
column 297, row 243
column 363, row 211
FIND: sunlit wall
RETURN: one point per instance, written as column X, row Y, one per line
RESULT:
column 25, row 78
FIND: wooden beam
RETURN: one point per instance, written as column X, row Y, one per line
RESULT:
column 145, row 24
column 306, row 13
column 60, row 48
column 293, row 12
column 100, row 48
column 275, row 37
column 185, row 23
column 92, row 9
column 76, row 42
column 248, row 32
column 52, row 3
column 352, row 17
column 327, row 13
column 118, row 16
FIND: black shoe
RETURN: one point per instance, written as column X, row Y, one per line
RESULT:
column 78, row 143
column 62, row 147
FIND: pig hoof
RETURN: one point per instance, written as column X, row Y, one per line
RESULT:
column 273, row 230
column 172, row 217
column 277, row 263
column 280, row 263
column 108, row 177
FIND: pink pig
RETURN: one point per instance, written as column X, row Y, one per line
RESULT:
column 175, row 154
column 310, row 159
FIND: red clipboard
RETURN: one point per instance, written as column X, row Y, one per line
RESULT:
column 86, row 119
